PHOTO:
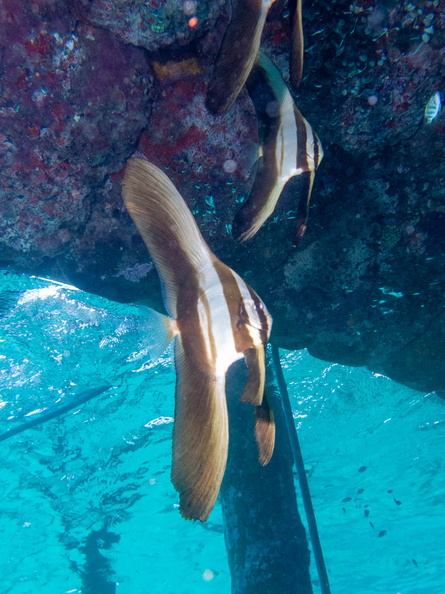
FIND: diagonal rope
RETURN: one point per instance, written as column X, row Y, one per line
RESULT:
column 301, row 473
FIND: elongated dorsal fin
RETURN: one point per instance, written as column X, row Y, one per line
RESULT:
column 167, row 226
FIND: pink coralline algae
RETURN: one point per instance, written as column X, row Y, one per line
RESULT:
column 73, row 103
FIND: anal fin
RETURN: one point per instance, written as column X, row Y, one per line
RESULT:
column 256, row 376
column 264, row 430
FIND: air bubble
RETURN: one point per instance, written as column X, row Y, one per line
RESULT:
column 230, row 166
column 208, row 575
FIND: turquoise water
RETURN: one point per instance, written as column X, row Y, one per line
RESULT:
column 373, row 452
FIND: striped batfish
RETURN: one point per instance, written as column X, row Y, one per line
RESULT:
column 216, row 319
column 239, row 50
column 289, row 147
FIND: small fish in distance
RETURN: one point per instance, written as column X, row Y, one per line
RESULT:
column 433, row 107
column 216, row 319
column 289, row 147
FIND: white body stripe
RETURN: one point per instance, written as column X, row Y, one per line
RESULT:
column 310, row 148
column 287, row 138
column 215, row 319
column 254, row 324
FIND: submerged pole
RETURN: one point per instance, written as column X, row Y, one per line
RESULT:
column 301, row 472
column 266, row 541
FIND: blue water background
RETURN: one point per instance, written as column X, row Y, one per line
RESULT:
column 373, row 452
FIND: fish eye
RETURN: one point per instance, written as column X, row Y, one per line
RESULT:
column 248, row 312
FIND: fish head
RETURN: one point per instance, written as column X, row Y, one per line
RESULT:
column 253, row 321
column 319, row 150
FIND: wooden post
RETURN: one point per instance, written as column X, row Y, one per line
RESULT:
column 266, row 541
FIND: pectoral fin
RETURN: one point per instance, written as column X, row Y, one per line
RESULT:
column 255, row 392
column 200, row 436
column 264, row 430
column 256, row 375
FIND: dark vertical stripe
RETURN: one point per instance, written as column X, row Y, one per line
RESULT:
column 193, row 335
column 302, row 140
column 307, row 180
column 233, row 297
column 265, row 329
column 234, row 300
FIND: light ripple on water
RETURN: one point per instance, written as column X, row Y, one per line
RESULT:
column 369, row 444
